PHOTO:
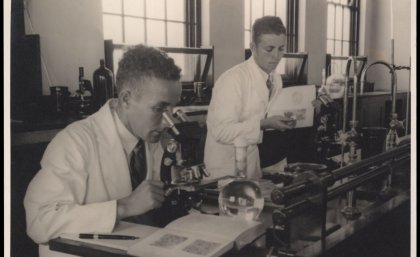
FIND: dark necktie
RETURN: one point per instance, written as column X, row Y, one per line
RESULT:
column 270, row 85
column 138, row 168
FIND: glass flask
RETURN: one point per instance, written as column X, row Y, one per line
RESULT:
column 242, row 197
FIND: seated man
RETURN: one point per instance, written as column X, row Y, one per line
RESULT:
column 106, row 167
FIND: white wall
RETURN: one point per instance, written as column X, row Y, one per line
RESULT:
column 71, row 36
column 312, row 34
column 224, row 22
column 376, row 31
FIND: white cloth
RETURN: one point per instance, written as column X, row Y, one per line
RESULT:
column 84, row 171
column 240, row 99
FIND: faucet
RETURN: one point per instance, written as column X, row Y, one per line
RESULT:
column 393, row 80
column 392, row 137
column 350, row 211
column 349, row 136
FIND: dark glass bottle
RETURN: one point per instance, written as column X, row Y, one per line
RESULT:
column 103, row 85
column 81, row 79
column 85, row 87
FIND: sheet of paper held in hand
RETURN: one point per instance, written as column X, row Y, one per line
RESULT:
column 295, row 102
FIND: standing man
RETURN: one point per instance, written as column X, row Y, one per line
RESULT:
column 106, row 167
column 241, row 98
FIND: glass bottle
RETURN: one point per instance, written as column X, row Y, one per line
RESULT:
column 103, row 85
column 81, row 80
column 85, row 87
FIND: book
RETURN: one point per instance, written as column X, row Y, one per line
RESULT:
column 122, row 228
column 295, row 102
column 199, row 235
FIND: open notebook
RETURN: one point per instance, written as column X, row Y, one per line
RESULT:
column 198, row 235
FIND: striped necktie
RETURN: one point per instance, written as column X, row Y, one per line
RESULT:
column 270, row 85
column 138, row 168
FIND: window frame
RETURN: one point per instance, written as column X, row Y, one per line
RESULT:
column 291, row 23
column 354, row 8
column 192, row 23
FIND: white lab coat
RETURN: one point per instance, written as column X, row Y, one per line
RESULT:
column 239, row 101
column 84, row 171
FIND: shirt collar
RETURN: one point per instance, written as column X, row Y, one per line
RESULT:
column 263, row 73
column 128, row 140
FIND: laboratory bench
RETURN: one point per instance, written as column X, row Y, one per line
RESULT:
column 312, row 224
column 30, row 137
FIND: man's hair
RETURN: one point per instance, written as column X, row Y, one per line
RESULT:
column 267, row 25
column 142, row 62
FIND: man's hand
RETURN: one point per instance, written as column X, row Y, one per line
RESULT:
column 148, row 195
column 278, row 122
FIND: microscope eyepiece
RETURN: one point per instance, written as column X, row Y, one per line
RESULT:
column 171, row 124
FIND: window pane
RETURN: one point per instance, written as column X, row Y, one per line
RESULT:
column 269, row 7
column 337, row 50
column 247, row 14
column 330, row 46
column 330, row 21
column 176, row 10
column 257, row 10
column 346, row 24
column 113, row 28
column 338, row 67
column 112, row 6
column 281, row 67
column 346, row 48
column 155, row 9
column 176, row 34
column 134, row 30
column 155, row 33
column 117, row 55
column 247, row 38
column 134, row 7
column 282, row 10
column 339, row 23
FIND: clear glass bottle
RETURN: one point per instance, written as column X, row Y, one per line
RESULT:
column 103, row 85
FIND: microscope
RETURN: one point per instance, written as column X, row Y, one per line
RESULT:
column 326, row 118
column 182, row 168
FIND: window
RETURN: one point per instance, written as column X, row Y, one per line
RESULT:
column 286, row 9
column 174, row 23
column 342, row 27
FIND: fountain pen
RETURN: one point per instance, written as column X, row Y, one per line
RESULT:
column 102, row 236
